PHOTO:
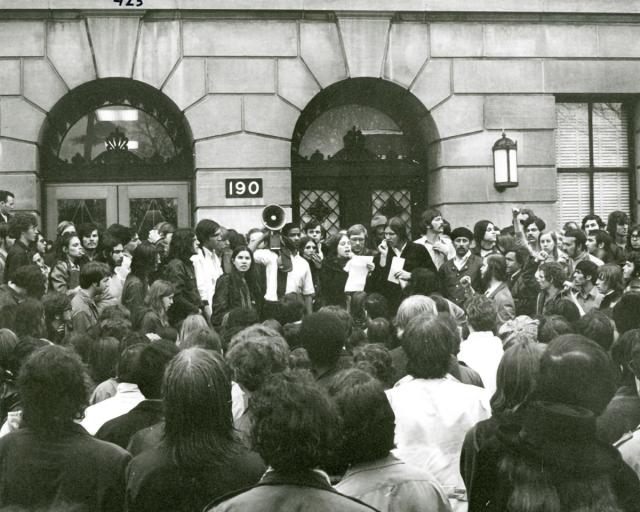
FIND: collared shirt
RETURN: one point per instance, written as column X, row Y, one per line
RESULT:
column 208, row 269
column 461, row 262
column 482, row 351
column 438, row 257
column 432, row 418
column 571, row 262
column 299, row 280
column 590, row 300
column 126, row 398
column 390, row 484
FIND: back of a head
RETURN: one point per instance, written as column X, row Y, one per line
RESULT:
column 128, row 369
column 368, row 419
column 204, row 337
column 375, row 359
column 596, row 326
column 516, row 376
column 31, row 279
column 565, row 308
column 8, row 342
column 52, row 389
column 92, row 273
column 295, row 425
column 152, row 361
column 428, row 342
column 29, row 319
column 323, row 336
column 190, row 324
column 376, row 306
column 253, row 358
column 411, row 307
column 626, row 313
column 342, row 314
column 102, row 358
column 235, row 320
column 576, row 371
column 423, row 281
column 380, row 331
column 481, row 313
column 552, row 326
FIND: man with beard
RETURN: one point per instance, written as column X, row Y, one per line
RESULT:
column 464, row 264
column 89, row 237
column 493, row 275
column 439, row 245
column 574, row 244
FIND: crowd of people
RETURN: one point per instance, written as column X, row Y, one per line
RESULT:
column 181, row 369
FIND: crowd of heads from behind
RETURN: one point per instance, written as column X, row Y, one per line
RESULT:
column 468, row 368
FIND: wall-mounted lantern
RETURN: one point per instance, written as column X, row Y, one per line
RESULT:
column 505, row 163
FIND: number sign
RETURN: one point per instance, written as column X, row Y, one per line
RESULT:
column 243, row 187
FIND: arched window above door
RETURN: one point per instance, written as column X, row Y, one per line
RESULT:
column 114, row 130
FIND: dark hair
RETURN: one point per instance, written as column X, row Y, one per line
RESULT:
column 235, row 321
column 144, row 260
column 254, row 357
column 291, row 308
column 581, row 238
column 152, row 361
column 616, row 218
column 427, row 340
column 540, row 224
column 552, row 326
column 102, row 358
column 588, row 269
column 596, row 326
column 602, row 237
column 29, row 319
column 367, row 417
column 634, row 258
column 116, row 312
column 181, row 246
column 621, row 354
column 497, row 266
column 423, row 281
column 295, row 425
column 105, row 249
column 82, row 343
column 427, row 216
column 122, row 233
column 85, row 229
column 481, row 313
column 380, row 330
column 554, row 273
column 52, row 389
column 399, row 227
column 480, row 229
column 625, row 312
column 375, row 359
column 288, row 227
column 5, row 194
column 516, row 376
column 566, row 308
column 311, row 224
column 376, row 306
column 21, row 223
column 62, row 243
column 587, row 218
column 205, row 229
column 197, row 403
column 576, row 371
column 8, row 342
column 92, row 273
column 55, row 304
column 323, row 336
column 128, row 367
column 31, row 278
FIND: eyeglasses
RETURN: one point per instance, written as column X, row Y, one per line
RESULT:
column 635, row 235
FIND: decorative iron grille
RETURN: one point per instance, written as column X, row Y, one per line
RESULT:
column 392, row 203
column 322, row 205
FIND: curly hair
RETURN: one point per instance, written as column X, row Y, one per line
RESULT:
column 296, row 425
column 481, row 313
column 53, row 389
column 20, row 223
column 554, row 273
column 375, row 359
column 181, row 246
column 254, row 358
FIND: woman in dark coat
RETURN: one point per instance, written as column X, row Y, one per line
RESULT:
column 143, row 264
column 238, row 288
column 396, row 243
column 179, row 271
column 333, row 277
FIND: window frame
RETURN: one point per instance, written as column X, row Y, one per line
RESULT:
column 627, row 104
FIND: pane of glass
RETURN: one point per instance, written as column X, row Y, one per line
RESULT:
column 382, row 136
column 83, row 210
column 610, row 135
column 392, row 203
column 147, row 138
column 572, row 135
column 573, row 197
column 611, row 191
column 144, row 213
column 321, row 205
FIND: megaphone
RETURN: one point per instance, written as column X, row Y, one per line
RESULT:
column 273, row 218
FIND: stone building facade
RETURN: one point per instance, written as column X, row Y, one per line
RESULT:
column 247, row 79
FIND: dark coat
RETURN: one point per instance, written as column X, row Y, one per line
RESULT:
column 622, row 415
column 305, row 491
column 134, row 291
column 186, row 300
column 333, row 279
column 450, row 278
column 70, row 472
column 232, row 293
column 120, row 430
column 415, row 256
column 18, row 256
column 155, row 483
column 524, row 289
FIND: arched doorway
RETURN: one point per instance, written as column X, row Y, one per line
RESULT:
column 116, row 150
column 360, row 149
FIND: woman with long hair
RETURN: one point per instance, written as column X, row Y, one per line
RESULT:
column 238, row 288
column 143, row 263
column 180, row 272
column 154, row 316
column 549, row 249
column 609, row 284
column 200, row 456
column 65, row 274
column 309, row 251
column 550, row 278
column 333, row 276
column 190, row 325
